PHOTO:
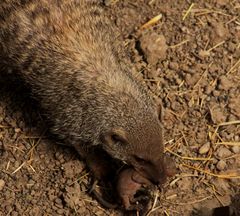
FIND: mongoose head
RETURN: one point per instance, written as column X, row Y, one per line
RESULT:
column 140, row 145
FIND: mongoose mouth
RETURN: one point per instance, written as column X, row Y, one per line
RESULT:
column 156, row 172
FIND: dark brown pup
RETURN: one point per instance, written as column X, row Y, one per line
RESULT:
column 129, row 182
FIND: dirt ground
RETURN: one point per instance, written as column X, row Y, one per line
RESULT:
column 189, row 56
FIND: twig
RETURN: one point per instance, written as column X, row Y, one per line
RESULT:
column 225, row 176
column 233, row 67
column 188, row 11
column 18, row 168
column 228, row 143
column 188, row 158
column 151, row 22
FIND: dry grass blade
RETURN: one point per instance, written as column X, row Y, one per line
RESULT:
column 224, row 176
column 179, row 44
column 201, row 12
column 231, row 20
column 229, row 123
column 214, row 47
column 151, row 21
column 80, row 178
column 36, row 144
column 232, row 156
column 234, row 66
column 215, row 192
column 203, row 74
column 4, row 126
column 32, row 167
column 188, row 158
column 228, row 143
column 188, row 11
column 166, row 213
column 19, row 167
column 8, row 164
column 153, row 208
column 189, row 202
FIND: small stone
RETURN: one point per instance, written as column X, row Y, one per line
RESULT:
column 222, row 2
column 204, row 148
column 152, row 74
column 60, row 211
column 174, row 66
column 2, row 183
column 34, row 201
column 203, row 53
column 110, row 2
column 224, row 152
column 234, row 105
column 221, row 30
column 225, row 83
column 236, row 149
column 31, row 181
column 216, row 93
column 221, row 165
column 154, row 47
column 58, row 201
column 218, row 115
column 17, row 130
column 236, row 138
column 14, row 213
column 8, row 208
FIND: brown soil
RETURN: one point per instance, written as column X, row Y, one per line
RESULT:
column 193, row 65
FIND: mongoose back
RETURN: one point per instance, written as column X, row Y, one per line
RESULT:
column 65, row 51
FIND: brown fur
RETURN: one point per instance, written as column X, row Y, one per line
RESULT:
column 65, row 50
column 129, row 182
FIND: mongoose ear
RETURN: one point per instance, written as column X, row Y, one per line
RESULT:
column 115, row 136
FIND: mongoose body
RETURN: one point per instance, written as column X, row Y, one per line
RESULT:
column 65, row 51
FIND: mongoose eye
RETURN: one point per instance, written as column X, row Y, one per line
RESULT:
column 118, row 139
column 140, row 161
column 115, row 137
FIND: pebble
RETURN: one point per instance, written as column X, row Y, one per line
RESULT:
column 34, row 201
column 218, row 115
column 236, row 149
column 58, row 201
column 109, row 2
column 204, row 53
column 17, row 130
column 236, row 138
column 221, row 165
column 223, row 152
column 14, row 213
column 204, row 148
column 154, row 47
column 220, row 30
column 153, row 74
column 222, row 2
column 2, row 183
column 60, row 211
column 174, row 66
column 216, row 93
column 225, row 83
column 8, row 208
